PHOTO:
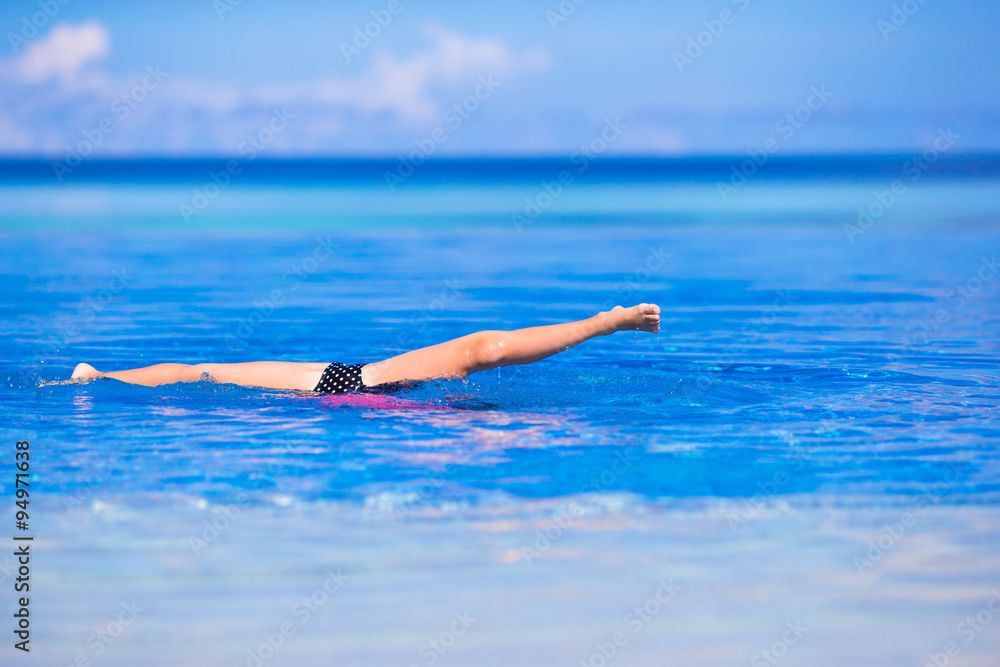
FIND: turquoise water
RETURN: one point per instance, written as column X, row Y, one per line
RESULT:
column 811, row 438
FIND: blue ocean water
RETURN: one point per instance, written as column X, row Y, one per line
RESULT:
column 818, row 377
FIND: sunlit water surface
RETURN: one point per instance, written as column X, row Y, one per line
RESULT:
column 811, row 439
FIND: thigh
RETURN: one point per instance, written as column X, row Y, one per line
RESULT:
column 268, row 374
column 452, row 359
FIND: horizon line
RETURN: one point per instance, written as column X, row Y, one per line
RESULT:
column 505, row 157
column 507, row 169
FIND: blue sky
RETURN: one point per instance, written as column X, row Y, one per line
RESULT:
column 530, row 78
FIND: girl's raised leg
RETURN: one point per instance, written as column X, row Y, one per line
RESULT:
column 491, row 349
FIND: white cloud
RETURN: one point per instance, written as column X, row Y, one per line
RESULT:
column 63, row 52
column 414, row 88
column 58, row 88
column 406, row 85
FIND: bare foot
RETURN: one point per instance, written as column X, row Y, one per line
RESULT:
column 644, row 317
column 84, row 371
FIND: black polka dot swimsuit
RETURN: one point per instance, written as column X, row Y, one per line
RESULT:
column 340, row 378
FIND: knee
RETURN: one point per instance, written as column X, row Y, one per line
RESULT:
column 488, row 349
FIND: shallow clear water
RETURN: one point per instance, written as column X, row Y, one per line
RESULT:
column 805, row 392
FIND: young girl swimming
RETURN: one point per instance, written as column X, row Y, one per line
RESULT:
column 453, row 359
